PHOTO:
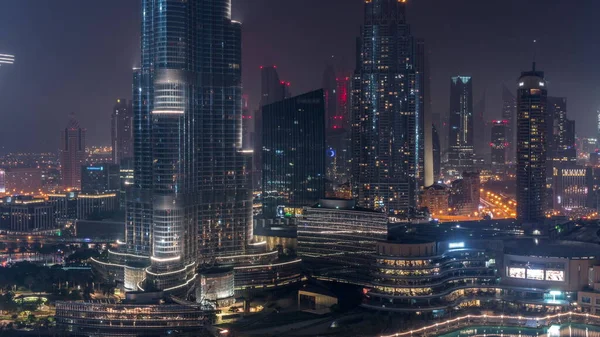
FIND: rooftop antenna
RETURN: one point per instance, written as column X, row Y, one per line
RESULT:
column 534, row 53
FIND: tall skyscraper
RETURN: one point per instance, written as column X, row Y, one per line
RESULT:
column 509, row 113
column 437, row 153
column 72, row 154
column 121, row 131
column 190, row 201
column 499, row 144
column 385, row 103
column 531, row 145
column 293, row 154
column 272, row 90
column 337, row 132
column 461, row 132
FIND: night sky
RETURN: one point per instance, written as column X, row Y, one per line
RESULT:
column 76, row 56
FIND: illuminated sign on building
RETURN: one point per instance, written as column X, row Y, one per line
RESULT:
column 453, row 245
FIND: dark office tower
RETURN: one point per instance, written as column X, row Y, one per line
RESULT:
column 72, row 154
column 509, row 113
column 100, row 178
column 121, row 132
column 385, row 103
column 531, row 145
column 247, row 125
column 499, row 143
column 460, row 131
column 293, row 154
column 272, row 90
column 437, row 153
column 190, row 200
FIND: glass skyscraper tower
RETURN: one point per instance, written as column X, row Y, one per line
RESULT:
column 191, row 199
column 532, row 99
column 386, row 103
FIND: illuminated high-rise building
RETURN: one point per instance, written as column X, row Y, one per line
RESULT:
column 385, row 118
column 499, row 144
column 337, row 132
column 461, row 132
column 72, row 154
column 190, row 200
column 121, row 131
column 531, row 145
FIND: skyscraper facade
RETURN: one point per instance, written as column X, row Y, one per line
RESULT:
column 293, row 154
column 272, row 90
column 460, row 131
column 190, row 201
column 385, row 103
column 509, row 113
column 531, row 145
column 499, row 144
column 337, row 132
column 72, row 154
column 121, row 131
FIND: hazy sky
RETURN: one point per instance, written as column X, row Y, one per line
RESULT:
column 76, row 56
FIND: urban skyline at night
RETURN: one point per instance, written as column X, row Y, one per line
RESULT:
column 485, row 47
column 243, row 168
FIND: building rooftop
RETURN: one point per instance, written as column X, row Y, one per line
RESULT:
column 548, row 248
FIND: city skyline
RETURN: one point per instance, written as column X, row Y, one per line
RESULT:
column 94, row 80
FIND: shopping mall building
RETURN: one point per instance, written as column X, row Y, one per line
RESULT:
column 504, row 274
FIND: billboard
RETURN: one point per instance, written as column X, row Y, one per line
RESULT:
column 555, row 275
column 516, row 272
column 535, row 274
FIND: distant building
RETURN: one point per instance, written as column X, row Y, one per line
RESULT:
column 23, row 181
column 460, row 130
column 293, row 154
column 437, row 153
column 82, row 206
column 509, row 113
column 72, row 154
column 571, row 188
column 2, row 181
column 338, row 131
column 531, row 145
column 499, row 144
column 122, row 131
column 436, row 198
column 100, row 178
column 466, row 194
column 25, row 214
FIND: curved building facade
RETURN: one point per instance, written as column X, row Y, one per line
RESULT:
column 431, row 275
column 109, row 319
column 190, row 200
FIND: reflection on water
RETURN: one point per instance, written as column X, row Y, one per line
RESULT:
column 565, row 330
